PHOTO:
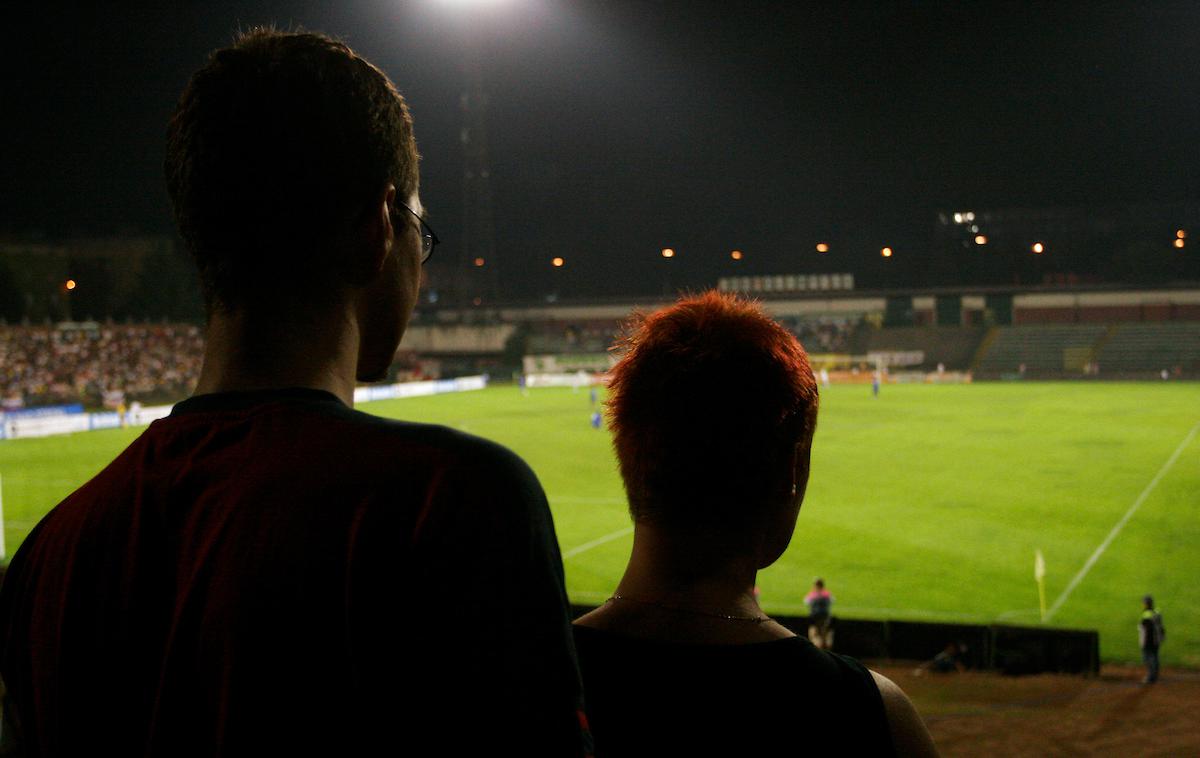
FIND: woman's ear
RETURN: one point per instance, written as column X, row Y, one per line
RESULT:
column 801, row 461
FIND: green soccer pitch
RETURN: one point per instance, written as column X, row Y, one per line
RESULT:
column 926, row 503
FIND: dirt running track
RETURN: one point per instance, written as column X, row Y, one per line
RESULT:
column 1053, row 715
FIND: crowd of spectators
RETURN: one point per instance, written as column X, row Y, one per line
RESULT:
column 107, row 364
column 98, row 364
column 827, row 334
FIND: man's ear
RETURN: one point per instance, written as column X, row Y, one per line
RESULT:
column 374, row 238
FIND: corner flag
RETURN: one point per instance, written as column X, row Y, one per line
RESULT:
column 3, row 547
column 1039, row 574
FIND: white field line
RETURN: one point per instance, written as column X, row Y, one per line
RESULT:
column 1121, row 524
column 858, row 612
column 569, row 500
column 875, row 613
column 597, row 542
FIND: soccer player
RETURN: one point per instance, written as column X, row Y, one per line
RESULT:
column 267, row 571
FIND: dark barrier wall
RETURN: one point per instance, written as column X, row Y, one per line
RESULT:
column 1009, row 649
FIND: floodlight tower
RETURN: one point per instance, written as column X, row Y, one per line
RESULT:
column 477, row 279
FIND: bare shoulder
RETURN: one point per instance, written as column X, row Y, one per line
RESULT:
column 909, row 734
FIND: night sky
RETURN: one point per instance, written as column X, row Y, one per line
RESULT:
column 618, row 128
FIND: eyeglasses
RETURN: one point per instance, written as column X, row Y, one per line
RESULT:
column 429, row 240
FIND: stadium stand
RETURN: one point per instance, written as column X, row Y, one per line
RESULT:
column 952, row 346
column 95, row 363
column 1144, row 350
column 593, row 336
column 823, row 334
column 90, row 363
column 1045, row 350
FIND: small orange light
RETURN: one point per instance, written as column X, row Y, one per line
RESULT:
column 479, row 263
column 557, row 262
column 478, row 301
column 70, row 284
column 1178, row 243
column 1038, row 248
column 668, row 252
column 980, row 239
column 736, row 255
column 1181, row 234
column 886, row 252
column 822, row 247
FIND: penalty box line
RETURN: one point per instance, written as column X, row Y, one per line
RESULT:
column 1087, row 567
column 597, row 542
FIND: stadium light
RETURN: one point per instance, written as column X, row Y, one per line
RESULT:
column 1038, row 248
column 886, row 252
column 70, row 284
column 736, row 255
column 668, row 252
column 980, row 239
column 1178, row 243
column 557, row 262
column 822, row 247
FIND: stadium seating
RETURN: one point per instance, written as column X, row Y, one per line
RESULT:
column 952, row 346
column 1043, row 349
column 1144, row 349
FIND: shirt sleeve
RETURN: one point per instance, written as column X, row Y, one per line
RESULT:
column 485, row 561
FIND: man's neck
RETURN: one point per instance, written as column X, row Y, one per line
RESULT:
column 247, row 352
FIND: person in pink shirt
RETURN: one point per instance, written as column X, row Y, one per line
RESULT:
column 820, row 618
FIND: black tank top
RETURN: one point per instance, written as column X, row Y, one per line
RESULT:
column 660, row 698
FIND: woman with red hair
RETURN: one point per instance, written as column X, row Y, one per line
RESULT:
column 713, row 408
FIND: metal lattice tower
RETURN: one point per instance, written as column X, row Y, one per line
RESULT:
column 474, row 281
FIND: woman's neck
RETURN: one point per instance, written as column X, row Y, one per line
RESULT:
column 686, row 588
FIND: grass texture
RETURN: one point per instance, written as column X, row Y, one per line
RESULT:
column 926, row 503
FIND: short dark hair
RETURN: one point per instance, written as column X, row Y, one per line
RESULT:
column 277, row 144
column 709, row 399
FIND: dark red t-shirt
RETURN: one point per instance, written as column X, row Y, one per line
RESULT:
column 273, row 573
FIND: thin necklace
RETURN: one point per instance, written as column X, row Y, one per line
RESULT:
column 692, row 611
